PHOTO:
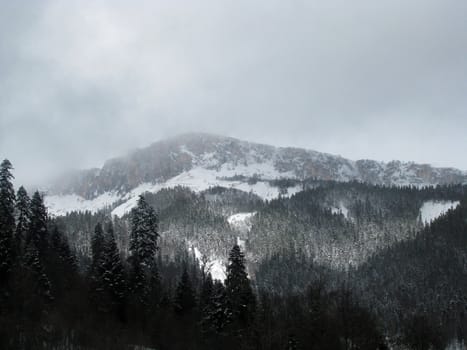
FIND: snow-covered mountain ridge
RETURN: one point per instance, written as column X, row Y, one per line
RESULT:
column 201, row 161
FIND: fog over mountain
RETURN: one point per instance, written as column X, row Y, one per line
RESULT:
column 201, row 161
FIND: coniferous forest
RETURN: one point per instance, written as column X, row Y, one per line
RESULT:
column 124, row 289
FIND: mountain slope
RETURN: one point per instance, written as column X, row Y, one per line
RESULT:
column 201, row 161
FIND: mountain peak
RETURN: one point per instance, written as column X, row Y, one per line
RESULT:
column 201, row 160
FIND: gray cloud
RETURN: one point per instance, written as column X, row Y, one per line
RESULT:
column 81, row 81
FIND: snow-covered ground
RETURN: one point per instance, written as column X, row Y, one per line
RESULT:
column 430, row 210
column 197, row 179
column 341, row 209
column 60, row 205
column 241, row 221
column 215, row 266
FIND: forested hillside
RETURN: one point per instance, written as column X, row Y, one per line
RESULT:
column 335, row 266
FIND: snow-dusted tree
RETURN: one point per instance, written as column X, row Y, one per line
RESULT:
column 23, row 214
column 7, row 219
column 143, row 236
column 96, row 270
column 215, row 314
column 241, row 301
column 97, row 246
column 113, row 276
column 143, row 247
column 33, row 262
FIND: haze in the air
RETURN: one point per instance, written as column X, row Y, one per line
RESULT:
column 82, row 81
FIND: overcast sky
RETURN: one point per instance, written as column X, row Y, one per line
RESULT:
column 82, row 81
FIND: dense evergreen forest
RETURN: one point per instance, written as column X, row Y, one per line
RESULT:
column 90, row 281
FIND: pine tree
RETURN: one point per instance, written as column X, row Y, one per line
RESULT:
column 143, row 247
column 97, row 246
column 23, row 214
column 241, row 301
column 63, row 267
column 42, row 285
column 215, row 314
column 7, row 219
column 143, row 236
column 185, row 299
column 206, row 291
column 96, row 270
column 113, row 276
column 38, row 234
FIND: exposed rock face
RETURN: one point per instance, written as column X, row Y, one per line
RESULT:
column 166, row 159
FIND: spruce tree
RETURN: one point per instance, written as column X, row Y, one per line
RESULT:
column 97, row 247
column 241, row 301
column 185, row 299
column 7, row 219
column 33, row 262
column 113, row 276
column 215, row 314
column 143, row 236
column 37, row 233
column 23, row 214
column 96, row 270
column 143, row 247
column 206, row 291
column 63, row 266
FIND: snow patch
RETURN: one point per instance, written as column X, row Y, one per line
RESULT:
column 241, row 243
column 61, row 205
column 431, row 210
column 241, row 221
column 200, row 179
column 341, row 209
column 213, row 265
column 196, row 179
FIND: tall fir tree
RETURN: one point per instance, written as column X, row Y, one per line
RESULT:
column 143, row 236
column 113, row 276
column 7, row 219
column 96, row 269
column 38, row 234
column 23, row 214
column 241, row 300
column 41, row 282
column 62, row 263
column 143, row 248
column 206, row 291
column 97, row 246
column 215, row 313
column 185, row 299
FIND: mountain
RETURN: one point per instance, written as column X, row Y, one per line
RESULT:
column 200, row 161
